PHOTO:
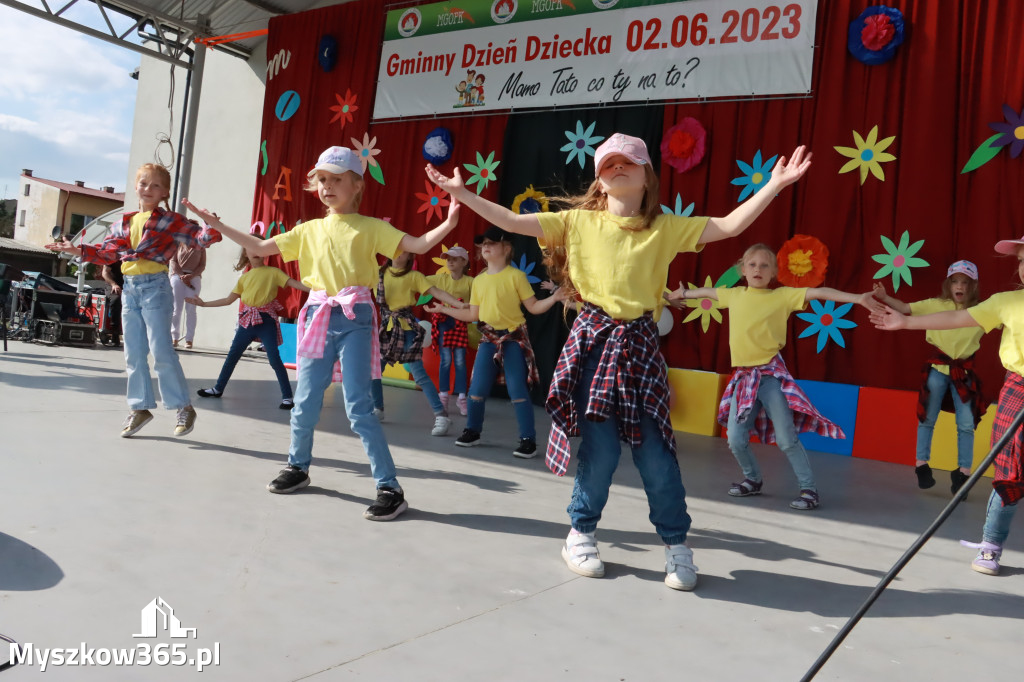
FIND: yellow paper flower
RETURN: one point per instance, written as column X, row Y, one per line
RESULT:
column 530, row 201
column 704, row 308
column 868, row 155
column 443, row 262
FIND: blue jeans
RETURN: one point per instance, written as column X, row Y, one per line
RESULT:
column 938, row 385
column 448, row 355
column 266, row 332
column 485, row 371
column 997, row 520
column 419, row 375
column 598, row 457
column 769, row 396
column 348, row 341
column 146, row 305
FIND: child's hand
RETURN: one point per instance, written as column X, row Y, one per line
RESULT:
column 434, row 308
column 888, row 319
column 787, row 173
column 454, row 207
column 64, row 246
column 675, row 298
column 548, row 285
column 195, row 300
column 870, row 302
column 209, row 217
column 452, row 185
column 879, row 292
column 560, row 294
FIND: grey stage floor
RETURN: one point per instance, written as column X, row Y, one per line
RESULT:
column 468, row 585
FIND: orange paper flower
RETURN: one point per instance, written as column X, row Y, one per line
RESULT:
column 803, row 261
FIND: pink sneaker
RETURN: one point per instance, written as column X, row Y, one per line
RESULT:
column 462, row 404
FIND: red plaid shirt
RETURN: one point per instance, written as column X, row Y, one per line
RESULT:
column 250, row 316
column 517, row 335
column 160, row 238
column 1009, row 478
column 744, row 383
column 631, row 380
column 965, row 382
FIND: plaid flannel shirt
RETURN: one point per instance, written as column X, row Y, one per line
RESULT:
column 392, row 341
column 311, row 342
column 966, row 383
column 631, row 380
column 744, row 383
column 249, row 316
column 1009, row 465
column 160, row 238
column 518, row 335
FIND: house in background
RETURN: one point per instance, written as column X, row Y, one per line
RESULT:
column 44, row 204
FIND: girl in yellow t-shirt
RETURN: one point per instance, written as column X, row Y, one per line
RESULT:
column 947, row 378
column 762, row 396
column 257, row 319
column 401, row 335
column 495, row 302
column 612, row 252
column 1004, row 310
column 450, row 336
column 337, row 258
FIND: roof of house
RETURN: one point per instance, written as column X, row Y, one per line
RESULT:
column 75, row 189
column 18, row 245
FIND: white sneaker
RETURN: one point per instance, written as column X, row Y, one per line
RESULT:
column 441, row 424
column 581, row 556
column 681, row 574
column 378, row 413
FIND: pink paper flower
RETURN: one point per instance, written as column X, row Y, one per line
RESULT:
column 683, row 145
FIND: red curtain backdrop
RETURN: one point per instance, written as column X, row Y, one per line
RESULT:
column 960, row 61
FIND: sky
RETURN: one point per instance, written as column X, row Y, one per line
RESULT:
column 66, row 102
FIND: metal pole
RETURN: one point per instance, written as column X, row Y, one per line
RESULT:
column 188, row 145
column 909, row 554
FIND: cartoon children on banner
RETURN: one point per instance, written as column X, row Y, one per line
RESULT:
column 471, row 90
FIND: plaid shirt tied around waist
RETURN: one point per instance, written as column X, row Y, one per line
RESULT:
column 518, row 335
column 392, row 341
column 160, row 238
column 1009, row 465
column 745, row 382
column 455, row 333
column 249, row 316
column 631, row 380
column 311, row 341
column 965, row 382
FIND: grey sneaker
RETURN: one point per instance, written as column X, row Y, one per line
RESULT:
column 581, row 555
column 680, row 573
column 186, row 421
column 987, row 561
column 135, row 421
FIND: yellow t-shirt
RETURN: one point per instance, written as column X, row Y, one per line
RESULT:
column 459, row 288
column 339, row 251
column 1006, row 309
column 499, row 297
column 621, row 271
column 757, row 321
column 403, row 292
column 259, row 286
column 956, row 343
column 140, row 266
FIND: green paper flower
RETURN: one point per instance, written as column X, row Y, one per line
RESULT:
column 482, row 172
column 899, row 259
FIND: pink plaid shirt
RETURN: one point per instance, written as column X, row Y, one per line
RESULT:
column 311, row 342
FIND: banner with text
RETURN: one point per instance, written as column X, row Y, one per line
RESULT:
column 499, row 55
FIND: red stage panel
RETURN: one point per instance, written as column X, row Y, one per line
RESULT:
column 886, row 426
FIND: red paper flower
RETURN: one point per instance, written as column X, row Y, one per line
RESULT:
column 803, row 261
column 683, row 145
column 878, row 32
column 344, row 108
column 433, row 201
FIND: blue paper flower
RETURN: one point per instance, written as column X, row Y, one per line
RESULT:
column 874, row 35
column 680, row 211
column 437, row 148
column 527, row 268
column 826, row 321
column 580, row 144
column 756, row 175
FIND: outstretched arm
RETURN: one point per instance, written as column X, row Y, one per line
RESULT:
column 785, row 173
column 429, row 240
column 537, row 307
column 227, row 300
column 444, row 296
column 879, row 292
column 827, row 294
column 295, row 284
column 889, row 319
column 676, row 298
column 470, row 314
column 249, row 242
column 488, row 210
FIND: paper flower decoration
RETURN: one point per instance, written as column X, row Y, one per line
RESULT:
column 433, row 201
column 898, row 260
column 482, row 172
column 580, row 145
column 826, row 321
column 344, row 108
column 874, row 35
column 527, row 268
column 443, row 262
column 706, row 309
column 1010, row 132
column 868, row 155
column 802, row 262
column 683, row 145
column 756, row 175
column 437, row 148
column 679, row 211
column 366, row 151
column 530, row 201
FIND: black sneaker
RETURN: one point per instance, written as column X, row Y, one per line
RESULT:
column 390, row 503
column 468, row 439
column 527, row 448
column 289, row 480
column 924, row 476
column 957, row 480
column 209, row 393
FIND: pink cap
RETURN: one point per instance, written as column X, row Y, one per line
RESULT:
column 964, row 267
column 338, row 160
column 456, row 252
column 1009, row 246
column 633, row 148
